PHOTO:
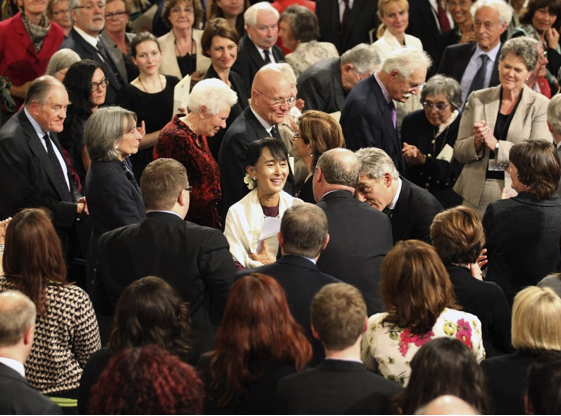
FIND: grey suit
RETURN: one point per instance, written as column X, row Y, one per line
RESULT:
column 320, row 86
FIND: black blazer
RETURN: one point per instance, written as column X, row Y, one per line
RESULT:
column 244, row 131
column 17, row 397
column 86, row 51
column 301, row 280
column 363, row 19
column 332, row 388
column 487, row 301
column 250, row 61
column 195, row 260
column 320, row 86
column 413, row 213
column 367, row 122
column 359, row 238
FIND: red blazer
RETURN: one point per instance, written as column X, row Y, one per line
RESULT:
column 18, row 59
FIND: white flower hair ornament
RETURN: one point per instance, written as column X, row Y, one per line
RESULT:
column 250, row 182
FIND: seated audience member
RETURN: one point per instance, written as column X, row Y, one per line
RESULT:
column 66, row 331
column 61, row 61
column 149, row 312
column 184, row 139
column 428, row 138
column 535, row 330
column 447, row 405
column 317, row 133
column 458, row 237
column 257, row 344
column 360, row 236
column 59, row 12
column 369, row 118
column 232, row 11
column 324, row 85
column 271, row 95
column 302, row 238
column 17, row 326
column 523, row 232
column 410, row 208
column 194, row 260
column 338, row 315
column 147, row 380
column 420, row 306
column 451, row 368
column 463, row 31
column 538, row 80
column 486, row 134
column 554, row 126
column 542, row 392
column 267, row 172
column 299, row 30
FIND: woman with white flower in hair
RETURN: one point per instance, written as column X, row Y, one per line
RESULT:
column 253, row 222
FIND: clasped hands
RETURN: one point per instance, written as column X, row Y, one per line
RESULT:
column 412, row 155
column 482, row 135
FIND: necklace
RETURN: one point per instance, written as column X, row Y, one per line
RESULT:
column 434, row 154
column 146, row 89
column 181, row 54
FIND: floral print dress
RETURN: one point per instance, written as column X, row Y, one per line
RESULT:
column 389, row 350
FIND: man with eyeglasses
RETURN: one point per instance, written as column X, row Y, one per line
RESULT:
column 84, row 38
column 270, row 99
column 369, row 118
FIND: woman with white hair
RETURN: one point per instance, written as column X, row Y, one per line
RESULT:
column 184, row 139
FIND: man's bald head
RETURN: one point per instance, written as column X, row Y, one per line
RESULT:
column 270, row 91
column 447, row 405
column 17, row 315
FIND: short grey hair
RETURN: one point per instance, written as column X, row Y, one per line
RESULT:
column 250, row 15
column 337, row 171
column 554, row 113
column 406, row 60
column 375, row 163
column 104, row 131
column 364, row 58
column 449, row 87
column 524, row 48
column 304, row 229
column 212, row 93
column 17, row 315
column 504, row 9
column 62, row 59
column 40, row 89
column 303, row 21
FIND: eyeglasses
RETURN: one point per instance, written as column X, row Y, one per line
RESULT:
column 177, row 10
column 438, row 106
column 118, row 15
column 279, row 100
column 295, row 136
column 103, row 83
column 189, row 189
column 90, row 6
column 66, row 11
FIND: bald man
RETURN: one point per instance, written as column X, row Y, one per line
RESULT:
column 270, row 97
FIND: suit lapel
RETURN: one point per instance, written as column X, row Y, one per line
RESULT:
column 400, row 217
column 524, row 107
column 491, row 105
column 385, row 114
column 24, row 39
column 463, row 61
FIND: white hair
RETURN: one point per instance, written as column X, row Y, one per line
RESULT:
column 504, row 9
column 212, row 93
column 250, row 15
column 554, row 113
column 406, row 61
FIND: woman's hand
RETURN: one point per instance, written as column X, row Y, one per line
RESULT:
column 552, row 37
column 413, row 155
column 482, row 259
column 262, row 256
column 482, row 136
column 3, row 227
column 476, row 271
column 142, row 129
column 467, row 37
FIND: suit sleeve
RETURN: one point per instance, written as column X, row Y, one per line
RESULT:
column 443, row 68
column 361, row 128
column 232, row 158
column 242, row 68
column 430, row 209
column 310, row 92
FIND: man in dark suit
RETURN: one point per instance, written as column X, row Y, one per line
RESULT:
column 464, row 62
column 32, row 165
column 324, row 85
column 270, row 96
column 302, row 237
column 338, row 315
column 195, row 260
column 258, row 46
column 369, row 116
column 17, row 326
column 360, row 236
column 554, row 125
column 89, row 18
column 410, row 208
column 346, row 26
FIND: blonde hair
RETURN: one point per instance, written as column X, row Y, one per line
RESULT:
column 381, row 10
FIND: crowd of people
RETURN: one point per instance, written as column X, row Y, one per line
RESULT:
column 356, row 209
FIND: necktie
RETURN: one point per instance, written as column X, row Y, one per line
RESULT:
column 267, row 56
column 443, row 18
column 393, row 111
column 110, row 63
column 275, row 132
column 478, row 82
column 345, row 19
column 60, row 179
column 388, row 211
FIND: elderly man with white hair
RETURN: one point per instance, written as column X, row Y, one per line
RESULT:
column 369, row 117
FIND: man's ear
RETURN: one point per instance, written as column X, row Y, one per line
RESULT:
column 314, row 333
column 347, row 68
column 365, row 324
column 28, row 335
column 281, row 240
column 387, row 180
column 325, row 242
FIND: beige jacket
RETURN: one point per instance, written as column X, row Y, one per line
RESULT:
column 169, row 64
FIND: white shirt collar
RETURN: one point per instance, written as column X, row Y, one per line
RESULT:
column 34, row 123
column 14, row 365
column 396, row 197
column 90, row 39
column 492, row 54
column 261, row 120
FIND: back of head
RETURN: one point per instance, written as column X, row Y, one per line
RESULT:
column 161, row 183
column 504, row 9
column 150, row 311
column 457, row 235
column 61, row 59
column 39, row 90
column 340, row 167
column 406, row 61
column 147, row 380
column 375, row 163
column 451, row 368
column 17, row 315
column 321, row 131
column 447, row 405
column 303, row 21
column 544, row 378
column 304, row 230
column 535, row 320
column 554, row 114
column 415, row 286
column 338, row 315
column 364, row 58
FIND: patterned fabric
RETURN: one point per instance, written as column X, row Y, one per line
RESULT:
column 389, row 351
column 309, row 53
column 176, row 141
column 64, row 339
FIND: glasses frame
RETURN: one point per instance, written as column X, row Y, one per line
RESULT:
column 277, row 102
column 103, row 83
column 118, row 15
column 438, row 106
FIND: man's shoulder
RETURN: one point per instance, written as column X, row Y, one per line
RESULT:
column 453, row 51
column 246, row 43
column 420, row 195
column 13, row 129
column 316, row 70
